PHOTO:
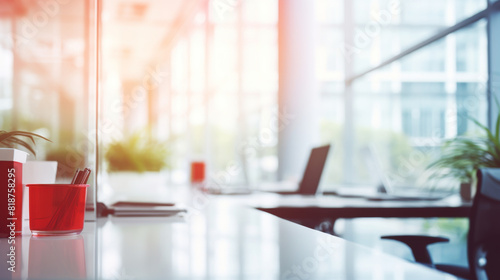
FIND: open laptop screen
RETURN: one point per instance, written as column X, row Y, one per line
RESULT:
column 314, row 169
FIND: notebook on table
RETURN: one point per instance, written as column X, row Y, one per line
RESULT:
column 139, row 209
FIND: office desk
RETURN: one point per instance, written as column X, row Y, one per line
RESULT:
column 218, row 241
column 313, row 211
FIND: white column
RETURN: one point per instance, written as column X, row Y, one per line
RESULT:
column 298, row 92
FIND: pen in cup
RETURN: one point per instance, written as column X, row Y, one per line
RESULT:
column 80, row 178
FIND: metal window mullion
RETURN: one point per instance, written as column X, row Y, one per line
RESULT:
column 493, row 86
column 443, row 33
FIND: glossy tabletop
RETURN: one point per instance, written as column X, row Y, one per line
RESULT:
column 219, row 241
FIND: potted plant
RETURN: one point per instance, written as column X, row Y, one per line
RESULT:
column 14, row 139
column 33, row 171
column 462, row 156
column 135, row 166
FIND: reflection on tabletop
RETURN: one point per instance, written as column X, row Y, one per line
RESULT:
column 68, row 252
column 224, row 242
column 50, row 257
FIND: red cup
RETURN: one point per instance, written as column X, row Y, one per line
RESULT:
column 197, row 172
column 57, row 208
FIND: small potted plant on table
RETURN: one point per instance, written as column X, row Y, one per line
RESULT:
column 135, row 166
column 32, row 171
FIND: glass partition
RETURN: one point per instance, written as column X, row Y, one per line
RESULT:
column 48, row 80
column 199, row 79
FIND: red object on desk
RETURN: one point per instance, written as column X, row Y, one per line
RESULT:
column 11, row 191
column 197, row 172
column 66, row 259
column 57, row 208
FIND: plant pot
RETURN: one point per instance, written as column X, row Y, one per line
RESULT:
column 466, row 191
column 133, row 186
column 11, row 191
column 39, row 172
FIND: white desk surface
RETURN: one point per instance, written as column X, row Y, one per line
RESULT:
column 216, row 240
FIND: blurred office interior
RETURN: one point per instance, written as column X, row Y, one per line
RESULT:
column 254, row 84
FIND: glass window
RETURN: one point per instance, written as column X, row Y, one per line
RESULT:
column 385, row 28
column 217, row 93
column 218, row 86
column 407, row 108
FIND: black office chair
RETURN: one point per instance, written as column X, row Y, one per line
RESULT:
column 483, row 242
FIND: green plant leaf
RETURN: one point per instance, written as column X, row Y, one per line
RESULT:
column 24, row 144
column 137, row 153
column 492, row 139
column 462, row 156
column 497, row 127
column 11, row 139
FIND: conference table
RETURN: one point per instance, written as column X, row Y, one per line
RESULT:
column 214, row 240
column 220, row 237
column 321, row 211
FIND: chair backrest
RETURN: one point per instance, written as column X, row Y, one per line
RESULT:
column 483, row 244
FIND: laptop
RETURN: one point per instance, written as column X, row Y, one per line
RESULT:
column 312, row 174
column 310, row 179
column 385, row 190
